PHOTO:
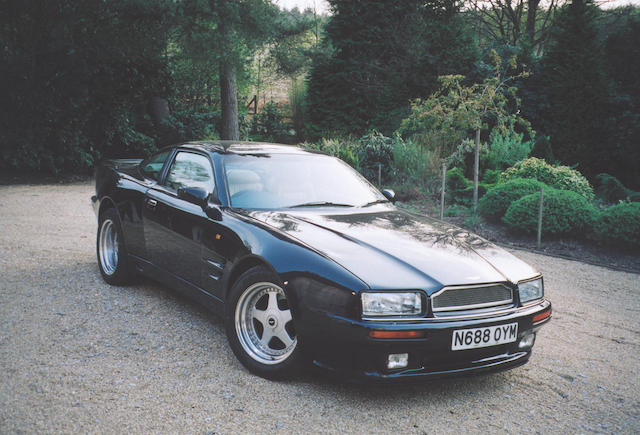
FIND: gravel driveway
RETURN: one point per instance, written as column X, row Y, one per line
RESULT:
column 77, row 355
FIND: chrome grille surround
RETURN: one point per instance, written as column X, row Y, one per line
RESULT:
column 457, row 298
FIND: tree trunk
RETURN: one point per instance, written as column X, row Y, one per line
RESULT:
column 476, row 169
column 229, row 100
column 532, row 9
column 228, row 85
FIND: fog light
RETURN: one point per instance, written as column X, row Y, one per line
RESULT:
column 398, row 360
column 527, row 341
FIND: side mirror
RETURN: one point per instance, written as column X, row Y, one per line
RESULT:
column 389, row 194
column 194, row 195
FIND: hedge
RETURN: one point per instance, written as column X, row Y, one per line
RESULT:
column 564, row 213
column 494, row 204
column 619, row 225
column 559, row 177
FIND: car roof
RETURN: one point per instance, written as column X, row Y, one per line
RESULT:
column 239, row 147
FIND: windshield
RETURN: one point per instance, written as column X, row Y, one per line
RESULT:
column 277, row 181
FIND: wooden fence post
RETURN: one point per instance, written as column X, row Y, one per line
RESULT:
column 444, row 179
column 540, row 217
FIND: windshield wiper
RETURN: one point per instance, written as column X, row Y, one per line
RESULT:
column 321, row 204
column 377, row 201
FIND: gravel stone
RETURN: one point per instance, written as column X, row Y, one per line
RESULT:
column 78, row 355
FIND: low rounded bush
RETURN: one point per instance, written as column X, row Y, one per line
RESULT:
column 619, row 225
column 494, row 204
column 564, row 213
column 559, row 177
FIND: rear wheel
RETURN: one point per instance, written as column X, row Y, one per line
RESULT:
column 260, row 326
column 112, row 255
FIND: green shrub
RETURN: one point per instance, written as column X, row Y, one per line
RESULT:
column 188, row 125
column 619, row 225
column 505, row 150
column 460, row 190
column 611, row 189
column 497, row 200
column 564, row 212
column 411, row 163
column 375, row 150
column 269, row 125
column 456, row 181
column 560, row 177
column 344, row 149
column 491, row 176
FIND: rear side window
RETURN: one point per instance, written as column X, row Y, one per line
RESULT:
column 190, row 170
column 152, row 167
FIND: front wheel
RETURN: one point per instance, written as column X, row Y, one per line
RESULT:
column 112, row 255
column 260, row 326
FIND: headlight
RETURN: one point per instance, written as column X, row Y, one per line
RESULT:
column 531, row 290
column 391, row 303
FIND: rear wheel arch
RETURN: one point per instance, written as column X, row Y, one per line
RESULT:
column 105, row 204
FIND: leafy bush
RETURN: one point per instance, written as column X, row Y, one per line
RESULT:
column 491, row 176
column 494, row 204
column 269, row 125
column 411, row 163
column 560, row 177
column 456, row 181
column 564, row 212
column 344, row 149
column 611, row 189
column 620, row 225
column 505, row 150
column 459, row 189
column 374, row 150
column 188, row 125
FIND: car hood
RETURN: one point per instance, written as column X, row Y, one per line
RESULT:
column 388, row 248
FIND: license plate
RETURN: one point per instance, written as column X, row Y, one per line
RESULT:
column 484, row 337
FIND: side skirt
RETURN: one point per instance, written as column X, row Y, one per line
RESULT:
column 195, row 293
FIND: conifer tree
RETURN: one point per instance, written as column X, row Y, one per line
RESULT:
column 574, row 82
column 378, row 55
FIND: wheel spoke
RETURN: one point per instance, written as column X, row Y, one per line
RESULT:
column 267, row 335
column 282, row 334
column 260, row 316
column 284, row 316
column 273, row 301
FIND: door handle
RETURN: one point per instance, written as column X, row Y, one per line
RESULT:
column 151, row 203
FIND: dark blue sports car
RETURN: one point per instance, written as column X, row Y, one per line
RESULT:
column 307, row 261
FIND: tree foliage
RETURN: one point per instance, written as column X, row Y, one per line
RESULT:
column 379, row 54
column 76, row 79
column 456, row 110
column 573, row 82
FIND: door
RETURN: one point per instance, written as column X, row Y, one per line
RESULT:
column 174, row 227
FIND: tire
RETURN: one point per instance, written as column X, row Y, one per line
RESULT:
column 259, row 325
column 111, row 250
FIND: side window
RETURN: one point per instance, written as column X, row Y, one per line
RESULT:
column 152, row 167
column 190, row 170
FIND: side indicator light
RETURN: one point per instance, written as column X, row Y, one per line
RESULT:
column 396, row 334
column 542, row 316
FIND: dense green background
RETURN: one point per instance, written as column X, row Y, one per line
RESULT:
column 78, row 77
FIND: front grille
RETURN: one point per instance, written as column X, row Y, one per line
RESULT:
column 468, row 298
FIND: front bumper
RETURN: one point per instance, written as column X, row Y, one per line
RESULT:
column 345, row 348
